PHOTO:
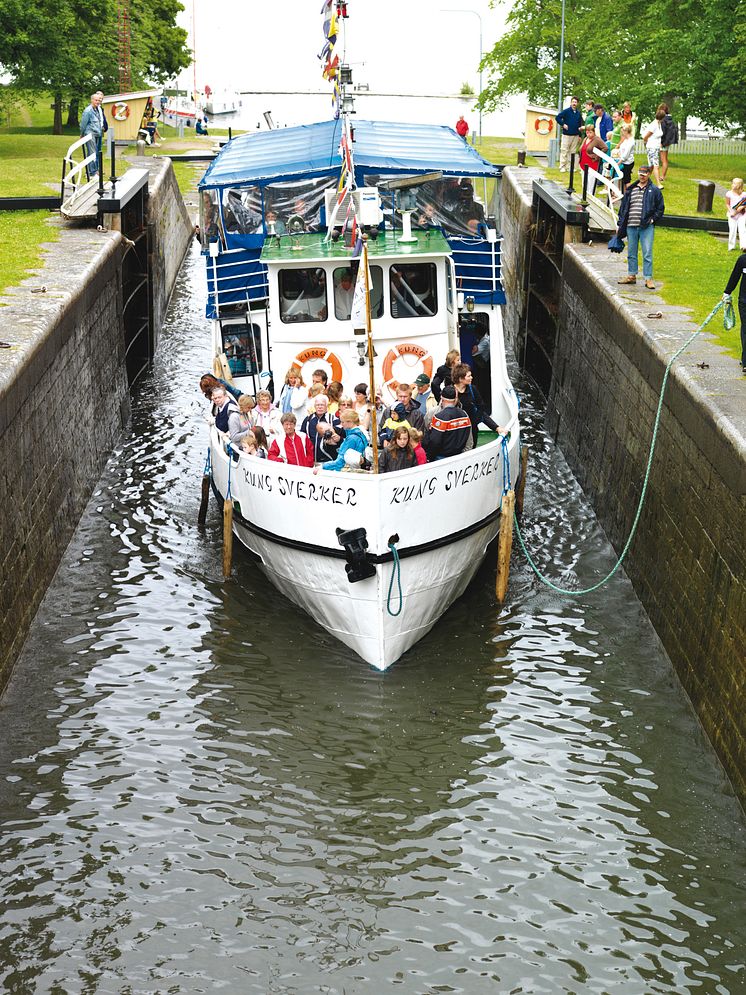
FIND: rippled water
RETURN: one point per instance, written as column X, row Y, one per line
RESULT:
column 201, row 791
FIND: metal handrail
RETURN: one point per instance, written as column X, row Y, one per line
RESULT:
column 72, row 178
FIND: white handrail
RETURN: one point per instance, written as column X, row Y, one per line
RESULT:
column 72, row 178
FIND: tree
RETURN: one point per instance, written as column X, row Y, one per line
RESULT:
column 69, row 47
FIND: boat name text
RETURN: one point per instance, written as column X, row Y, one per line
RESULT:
column 453, row 479
column 305, row 490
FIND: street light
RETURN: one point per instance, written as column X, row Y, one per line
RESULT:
column 468, row 10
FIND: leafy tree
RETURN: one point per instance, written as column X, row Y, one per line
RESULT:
column 69, row 47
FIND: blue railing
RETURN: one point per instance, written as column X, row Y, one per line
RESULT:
column 477, row 263
column 233, row 276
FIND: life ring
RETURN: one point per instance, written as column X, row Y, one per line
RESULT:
column 320, row 354
column 544, row 125
column 120, row 111
column 398, row 352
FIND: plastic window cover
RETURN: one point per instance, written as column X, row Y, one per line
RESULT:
column 414, row 290
column 449, row 203
column 303, row 295
column 344, row 278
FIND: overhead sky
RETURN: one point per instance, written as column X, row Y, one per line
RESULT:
column 394, row 46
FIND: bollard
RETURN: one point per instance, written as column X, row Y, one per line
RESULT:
column 140, row 146
column 521, row 157
column 504, row 546
column 705, row 193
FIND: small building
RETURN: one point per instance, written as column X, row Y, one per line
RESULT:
column 541, row 126
column 124, row 112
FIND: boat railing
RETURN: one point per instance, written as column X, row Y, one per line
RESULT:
column 73, row 183
column 477, row 264
column 233, row 275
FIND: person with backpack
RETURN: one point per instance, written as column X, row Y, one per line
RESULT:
column 670, row 136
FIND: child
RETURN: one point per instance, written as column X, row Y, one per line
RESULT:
column 416, row 436
column 262, row 445
column 397, row 419
column 735, row 201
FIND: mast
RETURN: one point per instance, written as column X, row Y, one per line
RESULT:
column 371, row 354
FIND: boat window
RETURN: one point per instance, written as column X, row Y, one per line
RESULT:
column 449, row 289
column 449, row 203
column 242, row 210
column 414, row 292
column 302, row 295
column 344, row 289
column 243, row 348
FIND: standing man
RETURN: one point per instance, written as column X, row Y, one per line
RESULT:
column 642, row 205
column 462, row 127
column 93, row 122
column 569, row 120
column 603, row 123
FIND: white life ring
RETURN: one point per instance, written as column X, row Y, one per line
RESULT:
column 319, row 354
column 544, row 125
column 120, row 111
column 400, row 351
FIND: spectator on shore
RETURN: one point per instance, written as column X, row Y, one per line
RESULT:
column 462, row 127
column 629, row 117
column 588, row 157
column 669, row 137
column 739, row 273
column 570, row 121
column 589, row 116
column 602, row 123
column 652, row 138
column 625, row 155
column 616, row 131
column 642, row 205
column 735, row 201
column 93, row 124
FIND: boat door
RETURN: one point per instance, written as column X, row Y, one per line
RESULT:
column 474, row 345
column 242, row 346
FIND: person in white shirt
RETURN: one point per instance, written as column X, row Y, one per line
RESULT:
column 736, row 214
column 652, row 138
column 624, row 154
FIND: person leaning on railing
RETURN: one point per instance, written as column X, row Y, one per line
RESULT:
column 739, row 273
column 93, row 123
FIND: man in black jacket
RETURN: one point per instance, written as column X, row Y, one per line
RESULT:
column 450, row 429
column 739, row 273
column 642, row 205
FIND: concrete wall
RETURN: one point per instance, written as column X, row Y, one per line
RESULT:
column 688, row 560
column 63, row 395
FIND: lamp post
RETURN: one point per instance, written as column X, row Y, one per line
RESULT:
column 468, row 10
column 561, row 59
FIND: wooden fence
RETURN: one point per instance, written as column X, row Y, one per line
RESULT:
column 704, row 146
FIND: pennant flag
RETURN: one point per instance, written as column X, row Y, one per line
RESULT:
column 359, row 310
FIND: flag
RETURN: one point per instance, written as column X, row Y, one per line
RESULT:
column 359, row 310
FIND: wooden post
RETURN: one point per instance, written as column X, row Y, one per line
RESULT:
column 504, row 546
column 227, row 536
column 521, row 482
column 202, row 516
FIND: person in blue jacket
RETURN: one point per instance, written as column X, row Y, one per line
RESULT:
column 570, row 121
column 355, row 440
column 642, row 205
column 603, row 123
column 93, row 123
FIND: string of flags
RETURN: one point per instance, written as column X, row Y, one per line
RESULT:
column 332, row 11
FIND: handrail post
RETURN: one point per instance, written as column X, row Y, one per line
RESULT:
column 570, row 187
column 100, row 190
column 584, row 199
column 113, row 165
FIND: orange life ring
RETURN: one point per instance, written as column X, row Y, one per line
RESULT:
column 544, row 125
column 398, row 352
column 120, row 111
column 320, row 354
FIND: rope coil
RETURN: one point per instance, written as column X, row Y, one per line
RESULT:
column 633, row 530
column 395, row 572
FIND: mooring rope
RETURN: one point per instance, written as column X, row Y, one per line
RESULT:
column 587, row 590
column 395, row 572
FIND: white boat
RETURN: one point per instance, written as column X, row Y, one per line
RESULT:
column 374, row 559
column 222, row 103
column 181, row 110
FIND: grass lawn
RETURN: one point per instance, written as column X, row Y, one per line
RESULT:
column 21, row 236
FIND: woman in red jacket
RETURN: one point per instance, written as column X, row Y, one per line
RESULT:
column 588, row 156
column 294, row 447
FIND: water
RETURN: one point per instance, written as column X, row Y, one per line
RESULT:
column 201, row 791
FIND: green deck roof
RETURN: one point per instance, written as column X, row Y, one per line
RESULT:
column 300, row 248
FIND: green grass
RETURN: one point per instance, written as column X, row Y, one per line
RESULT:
column 21, row 236
column 692, row 266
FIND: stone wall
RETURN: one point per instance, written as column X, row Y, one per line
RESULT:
column 63, row 395
column 688, row 560
column 516, row 218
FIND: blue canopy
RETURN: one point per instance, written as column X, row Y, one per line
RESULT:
column 382, row 147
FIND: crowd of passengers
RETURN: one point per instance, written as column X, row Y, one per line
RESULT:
column 320, row 427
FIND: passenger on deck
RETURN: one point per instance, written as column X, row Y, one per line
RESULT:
column 245, row 418
column 470, row 400
column 419, row 452
column 355, row 441
column 362, row 405
column 251, row 448
column 266, row 416
column 322, row 429
column 225, row 410
column 313, row 392
column 443, row 373
column 450, row 430
column 294, row 394
column 397, row 418
column 295, row 447
column 262, row 443
column 399, row 453
column 343, row 293
column 412, row 411
column 423, row 394
column 334, row 392
column 208, row 383
column 319, row 376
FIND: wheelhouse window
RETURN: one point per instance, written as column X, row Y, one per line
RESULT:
column 302, row 295
column 344, row 278
column 242, row 347
column 414, row 290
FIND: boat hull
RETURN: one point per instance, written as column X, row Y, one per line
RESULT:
column 439, row 517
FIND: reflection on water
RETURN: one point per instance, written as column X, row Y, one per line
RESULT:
column 201, row 791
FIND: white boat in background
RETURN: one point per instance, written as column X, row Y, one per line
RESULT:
column 181, row 110
column 374, row 559
column 225, row 102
